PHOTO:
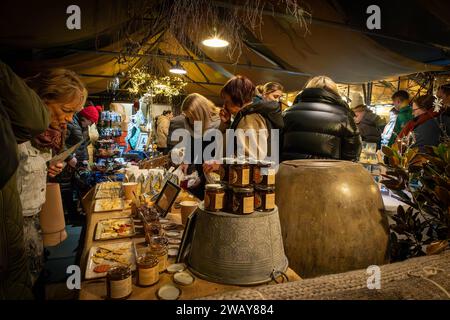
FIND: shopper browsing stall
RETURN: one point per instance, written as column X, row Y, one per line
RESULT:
column 64, row 94
column 399, row 115
column 272, row 91
column 370, row 125
column 22, row 116
column 429, row 127
column 199, row 109
column 320, row 125
column 241, row 112
column 162, row 130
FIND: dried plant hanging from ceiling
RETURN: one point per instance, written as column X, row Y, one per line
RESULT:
column 192, row 21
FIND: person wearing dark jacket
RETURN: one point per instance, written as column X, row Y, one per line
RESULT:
column 178, row 122
column 431, row 123
column 320, row 125
column 370, row 125
column 261, row 116
column 197, row 108
column 78, row 129
column 23, row 115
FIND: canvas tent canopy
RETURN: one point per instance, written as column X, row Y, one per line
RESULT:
column 335, row 42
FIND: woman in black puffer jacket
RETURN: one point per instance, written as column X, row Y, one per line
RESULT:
column 320, row 125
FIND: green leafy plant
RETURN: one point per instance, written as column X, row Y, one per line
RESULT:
column 422, row 181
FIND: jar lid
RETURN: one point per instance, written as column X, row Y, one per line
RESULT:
column 159, row 241
column 158, row 251
column 148, row 259
column 265, row 188
column 213, row 186
column 118, row 271
column 243, row 189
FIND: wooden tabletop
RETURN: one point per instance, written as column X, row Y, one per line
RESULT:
column 96, row 289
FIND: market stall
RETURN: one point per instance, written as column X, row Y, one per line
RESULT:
column 128, row 229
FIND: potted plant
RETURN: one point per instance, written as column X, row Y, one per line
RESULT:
column 422, row 181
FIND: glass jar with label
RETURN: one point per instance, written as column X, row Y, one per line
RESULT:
column 264, row 174
column 161, row 253
column 239, row 174
column 228, row 198
column 214, row 197
column 243, row 200
column 264, row 198
column 224, row 170
column 119, row 284
column 147, row 270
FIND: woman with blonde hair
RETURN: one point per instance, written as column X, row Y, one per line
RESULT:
column 63, row 94
column 197, row 108
column 320, row 124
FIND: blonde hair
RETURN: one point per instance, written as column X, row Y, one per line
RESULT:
column 198, row 108
column 270, row 87
column 323, row 82
column 58, row 85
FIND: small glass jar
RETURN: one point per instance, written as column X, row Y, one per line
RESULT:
column 264, row 198
column 161, row 253
column 152, row 226
column 159, row 241
column 119, row 284
column 214, row 197
column 239, row 174
column 228, row 198
column 243, row 200
column 147, row 270
column 224, row 170
column 264, row 174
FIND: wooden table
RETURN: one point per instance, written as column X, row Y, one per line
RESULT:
column 96, row 289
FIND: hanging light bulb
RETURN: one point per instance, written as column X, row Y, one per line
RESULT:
column 177, row 69
column 215, row 42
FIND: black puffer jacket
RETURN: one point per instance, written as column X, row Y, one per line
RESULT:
column 320, row 125
column 371, row 126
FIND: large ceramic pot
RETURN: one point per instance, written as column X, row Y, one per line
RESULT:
column 332, row 217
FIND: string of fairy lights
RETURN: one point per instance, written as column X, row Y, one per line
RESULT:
column 144, row 82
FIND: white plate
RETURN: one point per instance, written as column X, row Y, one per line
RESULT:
column 176, row 267
column 100, row 233
column 174, row 241
column 170, row 226
column 169, row 292
column 90, row 274
column 173, row 234
column 104, row 205
column 183, row 278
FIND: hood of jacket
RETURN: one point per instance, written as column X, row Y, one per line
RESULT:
column 270, row 110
